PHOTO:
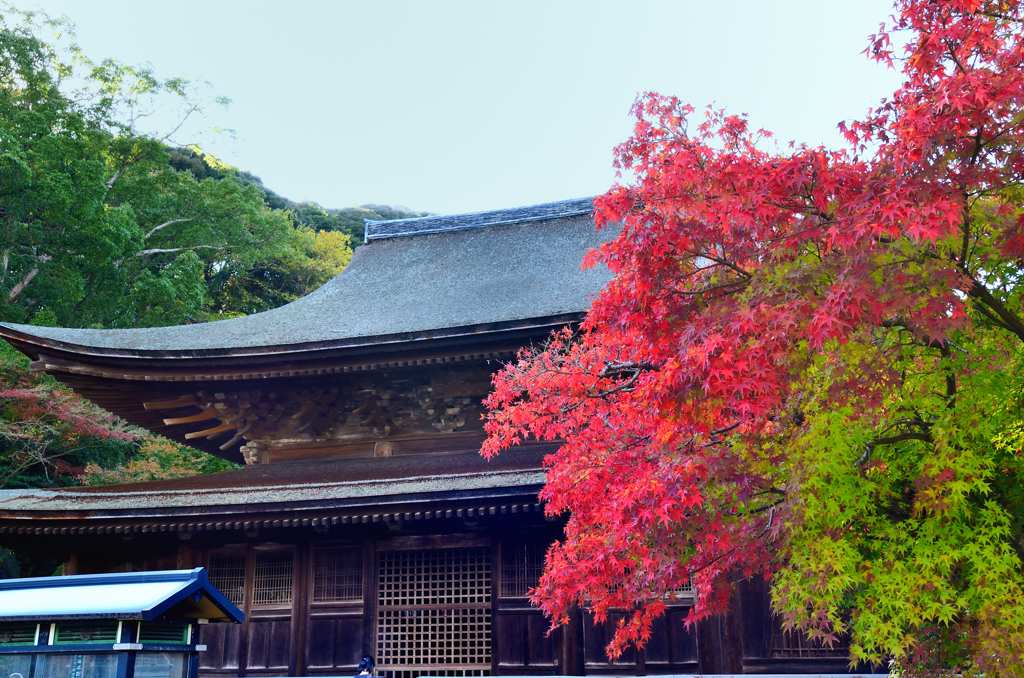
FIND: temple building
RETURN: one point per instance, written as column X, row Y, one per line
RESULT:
column 364, row 521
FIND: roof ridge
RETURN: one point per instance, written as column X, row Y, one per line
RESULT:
column 400, row 228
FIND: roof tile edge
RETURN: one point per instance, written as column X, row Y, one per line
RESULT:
column 401, row 228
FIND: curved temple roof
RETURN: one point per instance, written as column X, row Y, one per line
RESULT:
column 420, row 278
column 422, row 292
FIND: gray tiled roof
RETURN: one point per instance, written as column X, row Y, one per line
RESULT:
column 396, row 228
column 415, row 278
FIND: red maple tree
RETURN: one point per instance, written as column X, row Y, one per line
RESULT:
column 807, row 366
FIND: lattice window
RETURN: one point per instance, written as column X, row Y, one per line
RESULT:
column 521, row 565
column 227, row 574
column 434, row 613
column 684, row 593
column 795, row 644
column 455, row 577
column 272, row 583
column 338, row 576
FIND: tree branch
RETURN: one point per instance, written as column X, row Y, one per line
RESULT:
column 891, row 440
column 728, row 264
column 20, row 286
column 125, row 164
column 992, row 319
column 980, row 292
column 158, row 250
column 901, row 437
column 613, row 370
column 166, row 224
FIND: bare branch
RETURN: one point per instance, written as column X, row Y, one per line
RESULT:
column 138, row 158
column 166, row 224
column 20, row 286
column 901, row 437
column 728, row 264
column 158, row 250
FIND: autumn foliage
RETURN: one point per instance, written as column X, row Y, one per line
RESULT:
column 807, row 367
column 50, row 436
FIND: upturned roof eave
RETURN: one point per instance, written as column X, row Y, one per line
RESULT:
column 34, row 345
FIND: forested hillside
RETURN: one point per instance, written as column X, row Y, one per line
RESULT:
column 106, row 226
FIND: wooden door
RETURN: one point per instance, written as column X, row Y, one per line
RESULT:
column 522, row 644
column 333, row 640
column 261, row 580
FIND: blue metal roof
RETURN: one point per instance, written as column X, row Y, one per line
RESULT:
column 145, row 596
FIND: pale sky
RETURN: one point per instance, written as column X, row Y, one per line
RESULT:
column 456, row 107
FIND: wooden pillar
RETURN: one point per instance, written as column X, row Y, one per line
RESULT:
column 370, row 600
column 496, row 645
column 720, row 642
column 573, row 659
column 300, row 609
column 243, row 641
column 71, row 566
column 186, row 558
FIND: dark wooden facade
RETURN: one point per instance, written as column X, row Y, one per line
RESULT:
column 365, row 522
column 333, row 608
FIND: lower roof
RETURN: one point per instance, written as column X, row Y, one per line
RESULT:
column 349, row 486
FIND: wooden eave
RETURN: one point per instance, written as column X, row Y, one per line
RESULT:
column 301, row 495
column 266, row 520
column 124, row 382
column 295, row 360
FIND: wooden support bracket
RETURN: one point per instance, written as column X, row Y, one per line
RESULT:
column 183, row 401
column 202, row 416
column 210, row 432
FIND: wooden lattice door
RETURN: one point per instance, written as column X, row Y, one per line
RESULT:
column 434, row 613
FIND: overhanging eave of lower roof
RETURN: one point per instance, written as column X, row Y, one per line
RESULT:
column 297, row 491
column 413, row 510
column 529, row 485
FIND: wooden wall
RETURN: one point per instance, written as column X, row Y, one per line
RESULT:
column 304, row 637
column 308, row 639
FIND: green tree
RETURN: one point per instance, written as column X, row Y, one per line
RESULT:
column 312, row 260
column 93, row 211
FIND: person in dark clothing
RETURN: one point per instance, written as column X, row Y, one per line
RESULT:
column 366, row 667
